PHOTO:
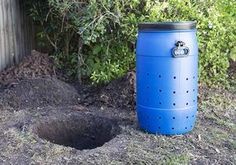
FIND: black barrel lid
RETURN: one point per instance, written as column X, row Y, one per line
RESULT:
column 167, row 25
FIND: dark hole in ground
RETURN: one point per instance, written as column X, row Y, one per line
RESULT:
column 80, row 132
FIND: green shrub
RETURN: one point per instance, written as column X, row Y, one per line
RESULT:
column 96, row 38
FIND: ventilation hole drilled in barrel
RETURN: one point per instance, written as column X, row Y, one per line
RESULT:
column 186, row 117
column 174, row 92
column 173, row 117
column 187, row 79
column 187, row 91
column 186, row 103
column 174, row 77
column 160, row 103
column 186, row 127
column 173, row 128
column 160, row 117
column 159, row 127
column 193, row 90
column 174, row 104
column 159, row 76
column 160, row 90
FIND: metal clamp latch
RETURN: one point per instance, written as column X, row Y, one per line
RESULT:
column 180, row 50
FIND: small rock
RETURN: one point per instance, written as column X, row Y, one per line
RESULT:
column 199, row 138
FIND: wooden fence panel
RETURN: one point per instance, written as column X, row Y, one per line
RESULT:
column 16, row 33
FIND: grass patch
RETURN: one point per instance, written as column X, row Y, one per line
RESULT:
column 176, row 160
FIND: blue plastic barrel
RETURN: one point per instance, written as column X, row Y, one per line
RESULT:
column 167, row 77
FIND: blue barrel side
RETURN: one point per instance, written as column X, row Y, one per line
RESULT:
column 167, row 87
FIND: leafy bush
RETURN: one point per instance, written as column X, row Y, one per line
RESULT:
column 96, row 38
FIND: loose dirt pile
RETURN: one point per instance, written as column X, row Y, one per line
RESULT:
column 119, row 93
column 30, row 84
column 39, row 92
column 36, row 65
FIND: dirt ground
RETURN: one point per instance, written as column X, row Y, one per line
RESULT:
column 42, row 119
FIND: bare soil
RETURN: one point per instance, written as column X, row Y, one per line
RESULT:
column 47, row 121
column 36, row 65
column 119, row 93
column 38, row 92
column 78, row 131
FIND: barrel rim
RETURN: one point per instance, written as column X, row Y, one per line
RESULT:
column 182, row 25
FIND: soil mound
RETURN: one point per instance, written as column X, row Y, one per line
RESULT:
column 118, row 93
column 39, row 92
column 36, row 65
